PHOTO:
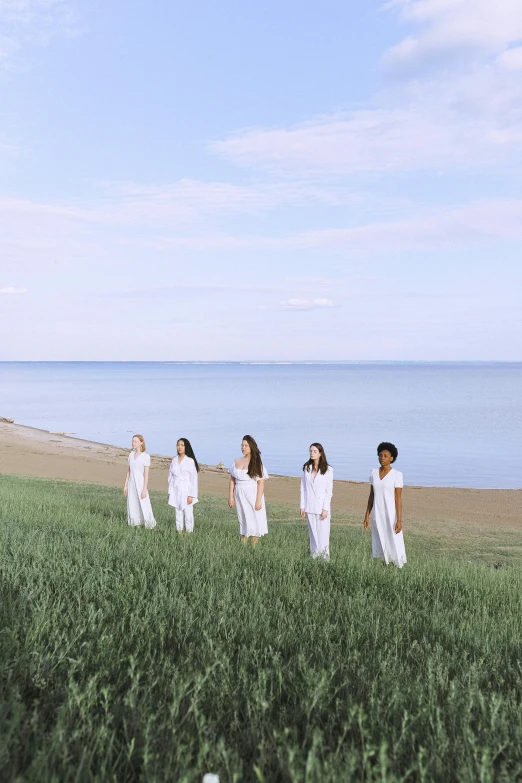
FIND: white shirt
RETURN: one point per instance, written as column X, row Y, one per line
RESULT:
column 316, row 491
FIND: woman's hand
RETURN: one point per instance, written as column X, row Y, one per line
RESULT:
column 398, row 526
column 366, row 522
column 189, row 500
column 324, row 514
column 258, row 505
column 303, row 513
column 231, row 502
column 143, row 494
column 125, row 490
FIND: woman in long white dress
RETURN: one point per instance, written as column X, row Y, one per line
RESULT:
column 183, row 485
column 316, row 496
column 385, row 508
column 139, row 509
column 246, row 488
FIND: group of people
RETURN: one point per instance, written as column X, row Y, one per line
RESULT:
column 246, row 495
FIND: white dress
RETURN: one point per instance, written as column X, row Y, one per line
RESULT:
column 139, row 510
column 386, row 543
column 251, row 522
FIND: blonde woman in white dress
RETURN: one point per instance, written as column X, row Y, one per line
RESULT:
column 316, row 496
column 139, row 509
column 246, row 488
column 385, row 508
column 183, row 485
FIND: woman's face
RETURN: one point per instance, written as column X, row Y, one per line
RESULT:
column 245, row 448
column 385, row 458
column 180, row 446
column 314, row 453
column 136, row 444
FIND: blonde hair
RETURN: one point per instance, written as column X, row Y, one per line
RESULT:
column 140, row 437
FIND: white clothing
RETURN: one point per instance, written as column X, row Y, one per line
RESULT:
column 316, row 491
column 319, row 530
column 251, row 522
column 386, row 543
column 183, row 482
column 187, row 515
column 139, row 510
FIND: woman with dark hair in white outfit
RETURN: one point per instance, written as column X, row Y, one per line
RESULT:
column 316, row 496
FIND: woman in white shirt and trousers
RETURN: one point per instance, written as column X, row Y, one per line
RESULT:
column 316, row 496
column 183, row 485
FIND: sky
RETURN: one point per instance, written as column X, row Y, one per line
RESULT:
column 286, row 180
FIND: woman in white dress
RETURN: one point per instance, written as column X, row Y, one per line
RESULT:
column 385, row 507
column 247, row 484
column 183, row 485
column 139, row 509
column 316, row 496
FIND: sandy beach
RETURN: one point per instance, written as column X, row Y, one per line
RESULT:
column 27, row 451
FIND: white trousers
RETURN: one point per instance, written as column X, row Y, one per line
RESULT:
column 186, row 514
column 319, row 530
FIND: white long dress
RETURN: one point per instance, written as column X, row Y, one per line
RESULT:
column 139, row 510
column 183, row 483
column 386, row 543
column 251, row 522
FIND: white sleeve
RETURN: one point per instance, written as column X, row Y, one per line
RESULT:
column 232, row 470
column 303, row 484
column 399, row 482
column 146, row 461
column 329, row 490
column 371, row 478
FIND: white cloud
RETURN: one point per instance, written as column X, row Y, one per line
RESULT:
column 463, row 114
column 511, row 59
column 12, row 290
column 306, row 304
column 33, row 22
column 455, row 27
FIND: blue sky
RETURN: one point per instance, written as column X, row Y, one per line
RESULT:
column 236, row 180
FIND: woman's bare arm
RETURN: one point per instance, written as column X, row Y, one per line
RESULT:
column 259, row 494
column 231, row 486
column 398, row 509
column 368, row 510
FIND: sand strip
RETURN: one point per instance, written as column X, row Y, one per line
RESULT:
column 27, row 451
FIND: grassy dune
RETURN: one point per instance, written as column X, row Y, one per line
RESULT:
column 133, row 655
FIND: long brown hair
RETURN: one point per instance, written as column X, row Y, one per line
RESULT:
column 323, row 462
column 255, row 466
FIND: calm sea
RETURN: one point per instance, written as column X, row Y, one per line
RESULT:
column 454, row 424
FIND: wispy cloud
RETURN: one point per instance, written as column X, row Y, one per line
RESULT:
column 467, row 116
column 26, row 22
column 12, row 290
column 306, row 304
column 455, row 27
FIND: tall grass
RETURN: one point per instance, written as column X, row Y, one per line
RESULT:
column 134, row 655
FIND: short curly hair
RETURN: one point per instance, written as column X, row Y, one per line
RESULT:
column 385, row 446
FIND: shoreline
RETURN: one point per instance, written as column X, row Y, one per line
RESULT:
column 29, row 451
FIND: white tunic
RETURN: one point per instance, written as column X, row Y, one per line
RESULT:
column 316, row 491
column 386, row 543
column 183, row 482
column 251, row 522
column 139, row 510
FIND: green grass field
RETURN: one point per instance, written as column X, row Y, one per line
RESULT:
column 133, row 655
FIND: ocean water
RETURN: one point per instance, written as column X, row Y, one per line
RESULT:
column 454, row 424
